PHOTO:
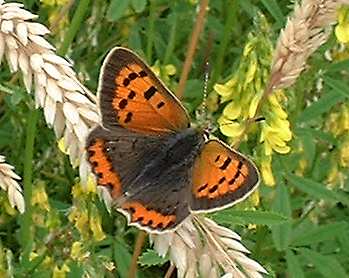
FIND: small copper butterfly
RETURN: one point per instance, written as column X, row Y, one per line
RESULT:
column 158, row 167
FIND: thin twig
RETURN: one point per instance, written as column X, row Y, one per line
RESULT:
column 170, row 271
column 136, row 252
column 192, row 47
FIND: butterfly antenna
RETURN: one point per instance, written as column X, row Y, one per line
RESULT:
column 204, row 100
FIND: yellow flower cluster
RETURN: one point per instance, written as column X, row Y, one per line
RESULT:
column 84, row 214
column 338, row 125
column 243, row 93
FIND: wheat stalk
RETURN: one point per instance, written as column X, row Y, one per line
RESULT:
column 68, row 106
column 306, row 30
column 201, row 248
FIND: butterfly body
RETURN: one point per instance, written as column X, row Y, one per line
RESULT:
column 158, row 168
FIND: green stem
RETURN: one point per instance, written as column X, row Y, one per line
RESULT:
column 26, row 231
column 150, row 32
column 228, row 29
column 78, row 17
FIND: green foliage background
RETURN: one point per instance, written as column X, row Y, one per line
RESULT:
column 296, row 228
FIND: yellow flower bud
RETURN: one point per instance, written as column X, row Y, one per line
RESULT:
column 232, row 110
column 266, row 172
column 223, row 90
column 96, row 225
column 230, row 128
column 254, row 105
column 170, row 69
column 252, row 69
column 60, row 272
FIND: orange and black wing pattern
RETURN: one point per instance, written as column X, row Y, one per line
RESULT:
column 131, row 96
column 221, row 177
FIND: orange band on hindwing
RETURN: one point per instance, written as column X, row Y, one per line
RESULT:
column 148, row 217
column 103, row 167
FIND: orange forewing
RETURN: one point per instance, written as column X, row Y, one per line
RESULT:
column 221, row 176
column 133, row 97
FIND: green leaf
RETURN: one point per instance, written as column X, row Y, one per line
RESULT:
column 294, row 268
column 338, row 86
column 122, row 257
column 315, row 189
column 324, row 104
column 309, row 148
column 328, row 266
column 151, row 258
column 117, row 9
column 319, row 134
column 249, row 216
column 274, row 9
column 320, row 233
column 138, row 5
column 281, row 233
column 338, row 66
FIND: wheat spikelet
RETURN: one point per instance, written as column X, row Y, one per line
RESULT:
column 306, row 30
column 68, row 106
column 9, row 182
column 202, row 248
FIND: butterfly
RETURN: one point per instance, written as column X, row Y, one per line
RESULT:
column 158, row 168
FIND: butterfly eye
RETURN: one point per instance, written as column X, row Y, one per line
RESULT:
column 108, row 149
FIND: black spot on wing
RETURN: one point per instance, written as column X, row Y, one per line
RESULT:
column 128, row 117
column 148, row 94
column 123, row 103
column 213, row 188
column 237, row 174
column 225, row 164
column 131, row 95
column 132, row 76
column 126, row 82
column 203, row 187
column 142, row 73
column 160, row 104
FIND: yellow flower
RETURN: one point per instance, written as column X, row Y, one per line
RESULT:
column 254, row 104
column 255, row 198
column 232, row 111
column 80, row 218
column 230, row 128
column 342, row 29
column 39, row 197
column 225, row 90
column 96, row 225
column 77, row 252
column 266, row 171
column 164, row 71
column 60, row 272
column 344, row 152
column 333, row 175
